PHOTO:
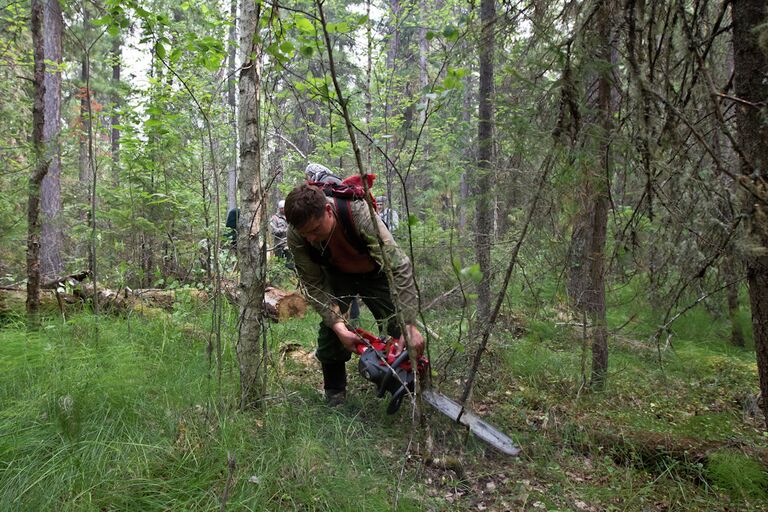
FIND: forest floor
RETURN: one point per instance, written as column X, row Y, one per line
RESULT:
column 115, row 413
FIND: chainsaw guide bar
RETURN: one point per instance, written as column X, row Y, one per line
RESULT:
column 476, row 425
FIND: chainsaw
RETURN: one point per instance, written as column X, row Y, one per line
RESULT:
column 385, row 362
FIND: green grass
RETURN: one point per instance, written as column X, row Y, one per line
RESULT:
column 740, row 476
column 126, row 419
column 127, row 414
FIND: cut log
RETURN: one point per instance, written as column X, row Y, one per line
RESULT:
column 280, row 305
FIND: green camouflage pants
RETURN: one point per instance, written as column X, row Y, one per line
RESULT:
column 374, row 291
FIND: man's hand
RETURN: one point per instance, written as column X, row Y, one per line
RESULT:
column 347, row 338
column 416, row 340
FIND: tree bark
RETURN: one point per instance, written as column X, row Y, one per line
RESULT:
column 600, row 219
column 751, row 70
column 50, row 190
column 251, row 239
column 482, row 189
column 232, row 104
column 586, row 280
column 114, row 119
column 47, row 25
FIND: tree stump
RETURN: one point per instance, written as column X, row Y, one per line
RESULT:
column 280, row 305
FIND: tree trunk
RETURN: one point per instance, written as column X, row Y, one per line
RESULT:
column 600, row 219
column 392, row 100
column 737, row 336
column 251, row 237
column 232, row 104
column 114, row 119
column 586, row 280
column 483, row 190
column 85, row 121
column 280, row 305
column 751, row 68
column 46, row 36
column 50, row 190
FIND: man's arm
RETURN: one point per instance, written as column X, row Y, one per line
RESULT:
column 402, row 271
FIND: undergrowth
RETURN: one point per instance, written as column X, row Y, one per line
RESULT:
column 126, row 414
column 130, row 414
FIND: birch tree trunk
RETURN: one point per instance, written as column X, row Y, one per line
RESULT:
column 751, row 67
column 47, row 25
column 251, row 221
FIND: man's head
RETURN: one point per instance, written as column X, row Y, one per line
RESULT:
column 281, row 206
column 308, row 211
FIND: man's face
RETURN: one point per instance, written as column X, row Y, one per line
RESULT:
column 320, row 228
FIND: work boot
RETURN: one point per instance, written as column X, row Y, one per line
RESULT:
column 335, row 398
column 335, row 383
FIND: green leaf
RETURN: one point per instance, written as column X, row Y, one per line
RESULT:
column 287, row 47
column 104, row 20
column 307, row 51
column 412, row 220
column 339, row 27
column 176, row 54
column 304, row 25
column 160, row 50
column 451, row 33
column 430, row 35
column 212, row 61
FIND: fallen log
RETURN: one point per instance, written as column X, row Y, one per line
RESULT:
column 71, row 279
column 126, row 299
column 279, row 305
column 13, row 300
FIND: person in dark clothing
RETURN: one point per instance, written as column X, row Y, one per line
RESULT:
column 231, row 227
column 334, row 268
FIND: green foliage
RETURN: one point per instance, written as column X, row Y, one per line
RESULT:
column 740, row 476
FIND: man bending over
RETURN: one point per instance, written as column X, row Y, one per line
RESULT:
column 336, row 259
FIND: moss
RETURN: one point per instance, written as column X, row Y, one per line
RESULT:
column 738, row 475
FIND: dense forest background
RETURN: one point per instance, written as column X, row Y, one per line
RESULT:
column 585, row 174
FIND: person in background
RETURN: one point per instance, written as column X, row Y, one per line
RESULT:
column 230, row 230
column 278, row 226
column 338, row 259
column 388, row 215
